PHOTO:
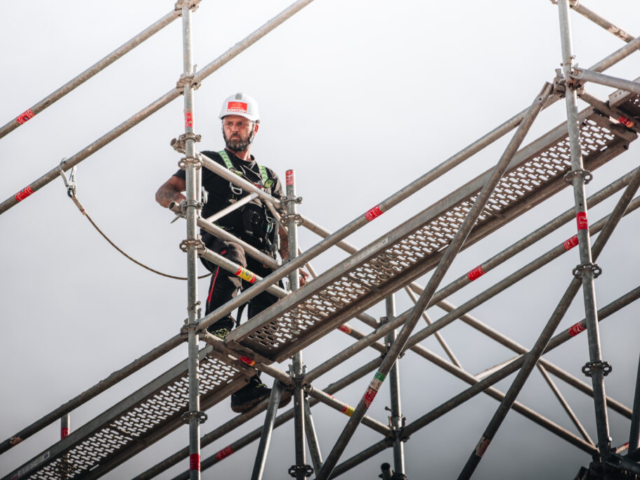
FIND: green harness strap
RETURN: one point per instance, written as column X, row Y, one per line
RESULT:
column 266, row 181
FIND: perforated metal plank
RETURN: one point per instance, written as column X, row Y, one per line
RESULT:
column 135, row 423
column 362, row 280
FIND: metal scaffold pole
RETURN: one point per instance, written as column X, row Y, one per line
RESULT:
column 267, row 429
column 529, row 360
column 634, row 431
column 596, row 368
column 300, row 470
column 396, row 420
column 192, row 245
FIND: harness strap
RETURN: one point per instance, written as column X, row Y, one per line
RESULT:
column 267, row 182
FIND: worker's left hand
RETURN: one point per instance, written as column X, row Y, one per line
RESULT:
column 303, row 277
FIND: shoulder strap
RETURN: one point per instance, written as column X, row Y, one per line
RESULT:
column 266, row 180
column 227, row 162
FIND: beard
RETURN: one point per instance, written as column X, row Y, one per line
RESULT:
column 237, row 143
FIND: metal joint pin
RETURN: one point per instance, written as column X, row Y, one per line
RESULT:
column 585, row 174
column 592, row 267
column 590, row 367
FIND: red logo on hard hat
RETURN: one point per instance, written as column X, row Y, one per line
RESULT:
column 240, row 107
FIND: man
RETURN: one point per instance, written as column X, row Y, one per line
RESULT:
column 252, row 223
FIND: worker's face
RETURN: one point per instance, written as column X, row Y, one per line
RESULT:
column 238, row 132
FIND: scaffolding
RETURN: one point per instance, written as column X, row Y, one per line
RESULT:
column 428, row 242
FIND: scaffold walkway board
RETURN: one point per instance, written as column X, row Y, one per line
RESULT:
column 536, row 172
column 135, row 423
column 392, row 261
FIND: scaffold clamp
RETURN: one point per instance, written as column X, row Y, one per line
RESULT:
column 291, row 198
column 191, row 4
column 178, row 144
column 585, row 174
column 580, row 269
column 572, row 3
column 590, row 367
column 186, row 161
column 559, row 84
column 201, row 416
column 284, row 219
column 185, row 245
column 187, row 80
column 306, row 469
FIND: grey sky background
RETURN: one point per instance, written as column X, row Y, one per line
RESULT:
column 360, row 98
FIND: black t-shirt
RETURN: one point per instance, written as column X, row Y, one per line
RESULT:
column 219, row 189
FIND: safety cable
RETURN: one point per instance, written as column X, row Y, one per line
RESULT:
column 71, row 191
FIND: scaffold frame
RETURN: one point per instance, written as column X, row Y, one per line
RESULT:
column 523, row 177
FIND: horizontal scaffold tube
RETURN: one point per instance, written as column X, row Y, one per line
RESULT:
column 92, row 392
column 450, row 317
column 155, row 106
column 484, row 384
column 252, row 436
column 88, row 73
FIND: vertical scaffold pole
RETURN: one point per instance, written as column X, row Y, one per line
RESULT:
column 634, row 431
column 396, row 419
column 300, row 470
column 191, row 245
column 65, row 430
column 596, row 368
column 267, row 430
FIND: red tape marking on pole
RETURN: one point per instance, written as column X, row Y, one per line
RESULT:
column 224, row 453
column 482, row 446
column 577, row 328
column 188, row 119
column 247, row 360
column 625, row 121
column 24, row 193
column 25, row 117
column 374, row 213
column 476, row 273
column 372, row 391
column 64, row 433
column 291, row 177
column 572, row 242
column 345, row 328
column 194, row 462
column 583, row 223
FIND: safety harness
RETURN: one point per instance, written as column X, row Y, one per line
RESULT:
column 267, row 182
column 252, row 215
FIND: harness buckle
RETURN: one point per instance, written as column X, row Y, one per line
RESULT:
column 236, row 190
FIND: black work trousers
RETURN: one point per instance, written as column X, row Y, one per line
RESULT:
column 225, row 285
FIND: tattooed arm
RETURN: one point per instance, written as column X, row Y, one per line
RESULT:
column 284, row 244
column 284, row 253
column 171, row 191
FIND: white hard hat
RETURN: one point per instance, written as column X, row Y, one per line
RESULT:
column 241, row 104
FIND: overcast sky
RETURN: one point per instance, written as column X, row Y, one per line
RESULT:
column 360, row 98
